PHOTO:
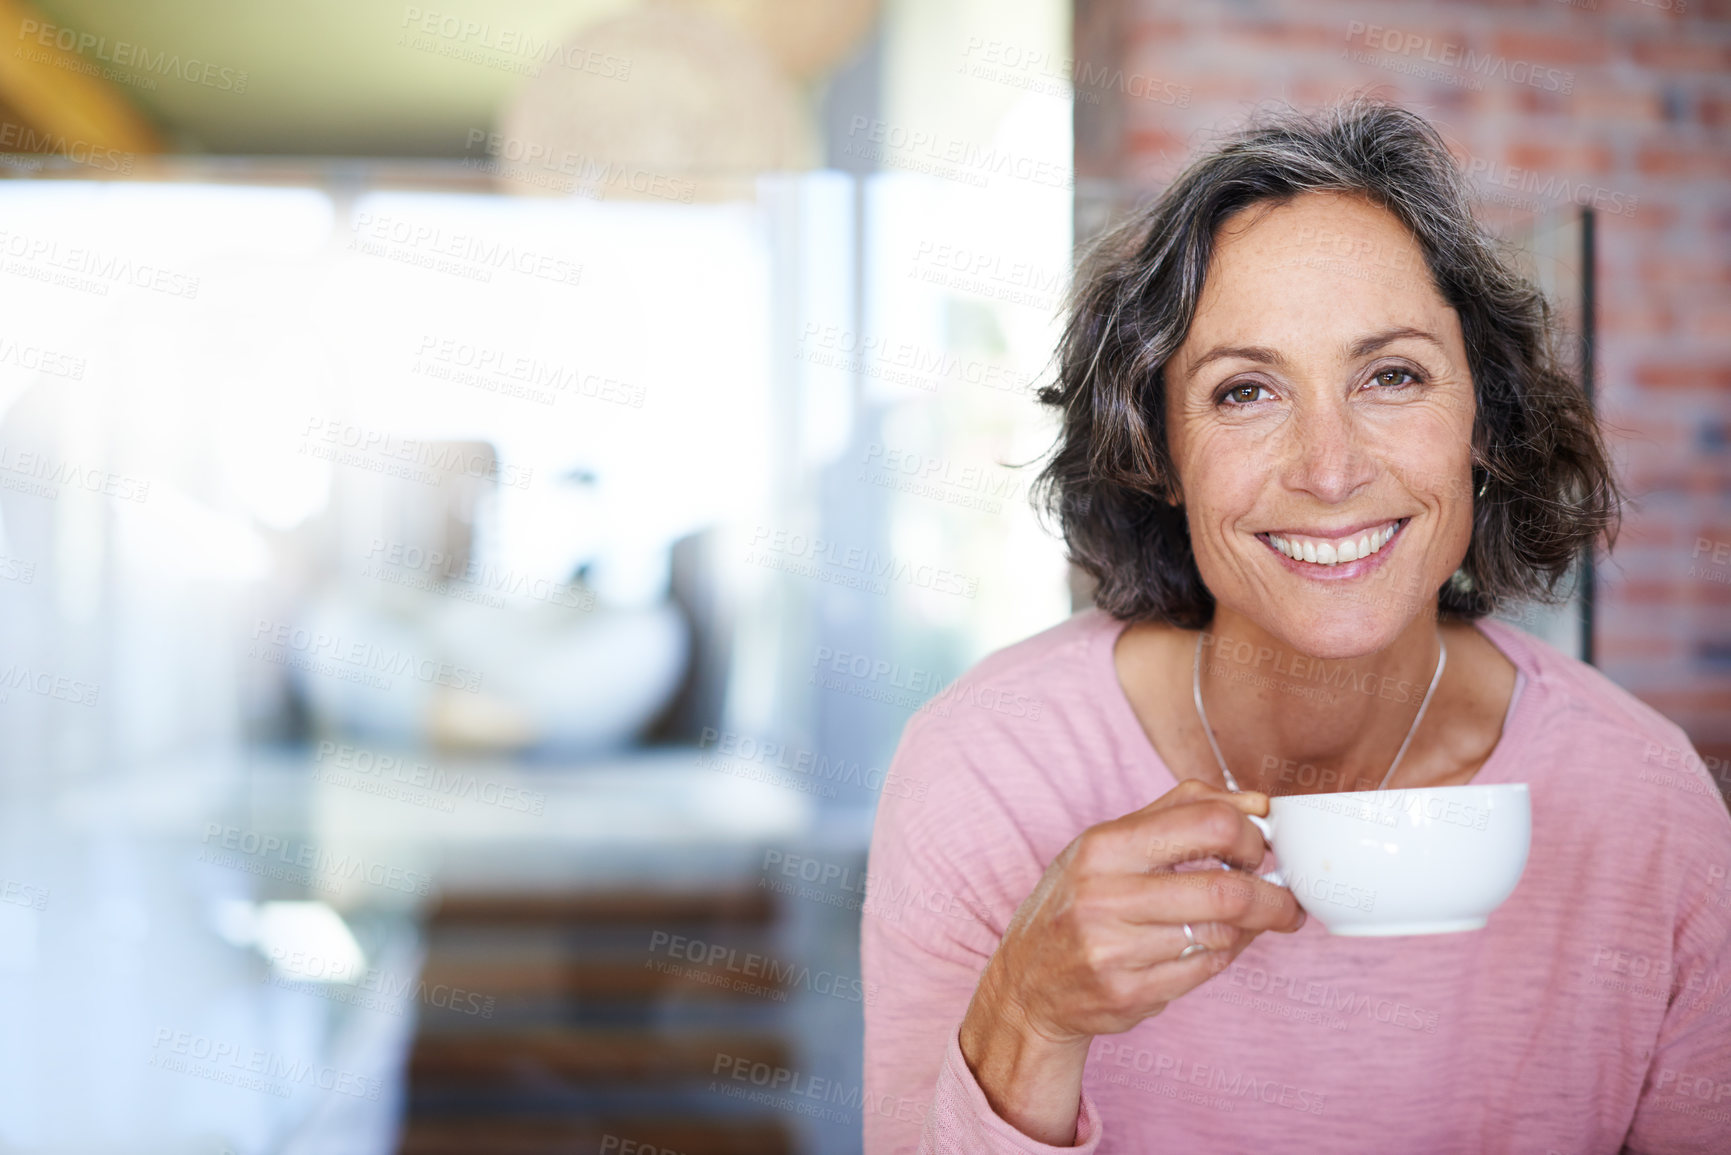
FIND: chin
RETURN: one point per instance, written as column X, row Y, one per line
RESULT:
column 1338, row 630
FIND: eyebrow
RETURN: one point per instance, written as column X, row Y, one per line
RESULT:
column 1364, row 346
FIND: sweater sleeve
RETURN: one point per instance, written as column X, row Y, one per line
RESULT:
column 1685, row 1103
column 927, row 932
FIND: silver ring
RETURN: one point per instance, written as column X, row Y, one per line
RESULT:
column 1190, row 937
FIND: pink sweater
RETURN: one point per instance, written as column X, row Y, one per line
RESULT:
column 1593, row 1014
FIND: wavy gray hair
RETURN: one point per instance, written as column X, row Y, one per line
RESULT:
column 1538, row 453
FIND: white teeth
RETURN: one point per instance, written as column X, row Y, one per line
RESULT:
column 1328, row 553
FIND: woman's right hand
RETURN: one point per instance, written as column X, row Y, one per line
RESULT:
column 1094, row 949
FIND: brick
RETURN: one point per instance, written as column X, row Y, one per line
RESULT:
column 1682, row 54
column 1707, row 319
column 1695, row 274
column 1571, row 159
column 1571, row 52
column 1598, row 102
column 1545, row 105
column 1713, row 111
column 1618, row 649
column 1683, row 375
column 1155, row 141
column 1699, row 702
column 1684, row 161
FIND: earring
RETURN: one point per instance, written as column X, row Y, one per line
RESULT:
column 1485, row 486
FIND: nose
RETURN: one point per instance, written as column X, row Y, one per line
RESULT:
column 1326, row 456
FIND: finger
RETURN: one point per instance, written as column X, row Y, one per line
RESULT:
column 1161, row 944
column 1195, row 789
column 1138, row 947
column 1231, row 897
column 1171, row 898
column 1174, row 976
column 1210, row 827
column 1191, row 821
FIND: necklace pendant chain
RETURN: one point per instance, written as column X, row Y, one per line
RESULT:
column 1208, row 731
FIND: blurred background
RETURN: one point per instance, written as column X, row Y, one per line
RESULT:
column 484, row 485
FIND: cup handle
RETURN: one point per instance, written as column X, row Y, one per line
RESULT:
column 1266, row 825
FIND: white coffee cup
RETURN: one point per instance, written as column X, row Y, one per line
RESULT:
column 1393, row 862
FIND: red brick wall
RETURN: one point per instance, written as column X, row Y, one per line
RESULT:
column 1630, row 100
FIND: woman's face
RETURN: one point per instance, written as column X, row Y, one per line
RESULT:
column 1321, row 407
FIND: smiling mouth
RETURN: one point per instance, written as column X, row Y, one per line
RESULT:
column 1329, row 551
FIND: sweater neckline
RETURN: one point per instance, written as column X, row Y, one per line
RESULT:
column 1498, row 766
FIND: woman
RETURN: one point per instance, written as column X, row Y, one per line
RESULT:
column 1313, row 431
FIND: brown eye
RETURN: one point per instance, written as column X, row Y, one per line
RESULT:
column 1242, row 394
column 1383, row 377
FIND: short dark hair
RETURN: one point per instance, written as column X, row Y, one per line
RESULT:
column 1537, row 448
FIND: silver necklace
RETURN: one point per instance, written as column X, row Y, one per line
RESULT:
column 1231, row 783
